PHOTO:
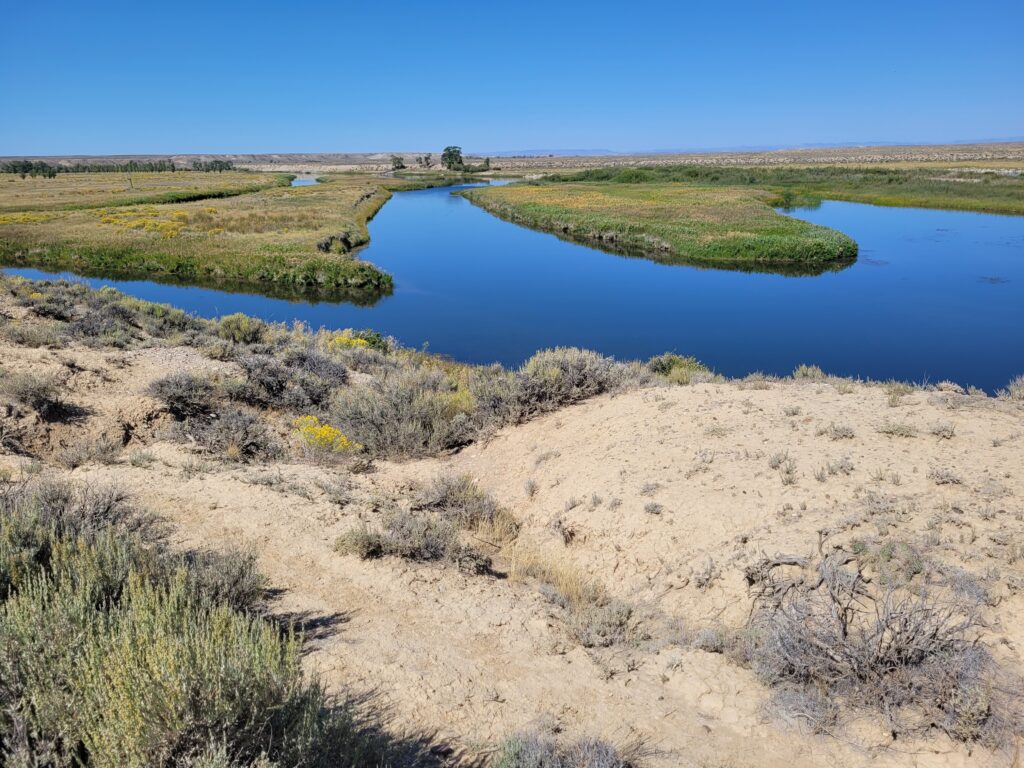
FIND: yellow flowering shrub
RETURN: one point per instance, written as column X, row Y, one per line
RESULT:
column 346, row 339
column 146, row 218
column 25, row 218
column 321, row 439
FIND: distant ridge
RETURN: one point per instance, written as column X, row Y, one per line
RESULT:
column 545, row 153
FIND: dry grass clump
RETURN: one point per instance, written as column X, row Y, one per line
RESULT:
column 808, row 372
column 595, row 619
column 445, row 508
column 944, row 476
column 897, row 429
column 757, row 380
column 533, row 749
column 895, row 392
column 1014, row 390
column 829, row 638
column 837, row 431
column 421, row 538
column 842, row 466
column 458, row 499
column 102, row 450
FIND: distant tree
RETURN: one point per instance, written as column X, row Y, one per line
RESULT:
column 397, row 163
column 451, row 158
column 425, row 161
column 212, row 165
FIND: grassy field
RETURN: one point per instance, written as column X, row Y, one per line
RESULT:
column 992, row 191
column 264, row 240
column 71, row 191
column 673, row 223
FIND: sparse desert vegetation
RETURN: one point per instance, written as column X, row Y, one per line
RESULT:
column 553, row 538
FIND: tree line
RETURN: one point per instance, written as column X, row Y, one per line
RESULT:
column 41, row 168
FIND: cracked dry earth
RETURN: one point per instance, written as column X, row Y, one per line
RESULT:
column 663, row 495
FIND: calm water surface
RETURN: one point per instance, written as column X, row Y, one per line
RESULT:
column 934, row 295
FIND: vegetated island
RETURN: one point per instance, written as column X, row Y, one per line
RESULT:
column 234, row 230
column 673, row 224
column 722, row 216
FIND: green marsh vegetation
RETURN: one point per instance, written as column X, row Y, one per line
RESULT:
column 722, row 216
column 673, row 224
column 231, row 230
column 249, row 231
column 937, row 186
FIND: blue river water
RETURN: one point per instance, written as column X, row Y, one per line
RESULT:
column 933, row 295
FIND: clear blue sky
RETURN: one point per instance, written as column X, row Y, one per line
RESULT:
column 147, row 77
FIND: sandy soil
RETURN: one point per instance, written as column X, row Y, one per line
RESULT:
column 467, row 659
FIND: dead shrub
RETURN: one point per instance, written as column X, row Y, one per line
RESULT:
column 914, row 657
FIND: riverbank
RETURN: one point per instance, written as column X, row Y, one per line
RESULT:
column 292, row 239
column 674, row 224
column 595, row 567
column 981, row 189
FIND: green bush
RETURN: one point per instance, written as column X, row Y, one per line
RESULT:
column 677, row 369
column 114, row 652
column 241, row 329
column 406, row 412
column 556, row 377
